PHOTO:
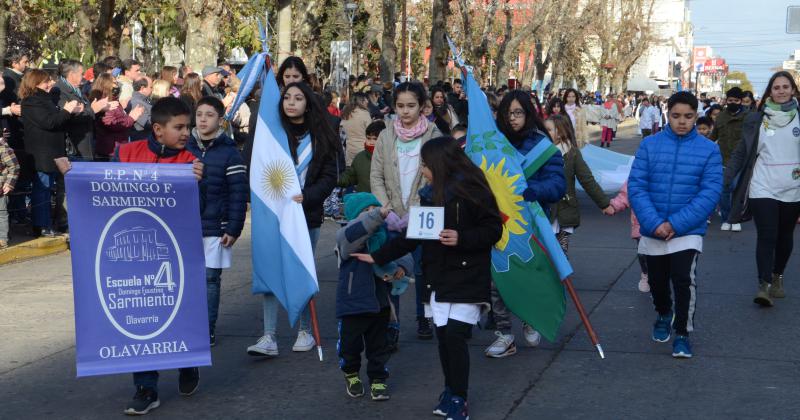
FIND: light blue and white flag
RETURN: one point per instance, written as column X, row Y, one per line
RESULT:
column 283, row 261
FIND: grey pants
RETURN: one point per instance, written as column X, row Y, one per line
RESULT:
column 4, row 218
column 501, row 314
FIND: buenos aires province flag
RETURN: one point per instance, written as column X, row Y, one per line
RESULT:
column 283, row 262
column 527, row 263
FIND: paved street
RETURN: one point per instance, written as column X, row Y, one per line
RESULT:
column 746, row 362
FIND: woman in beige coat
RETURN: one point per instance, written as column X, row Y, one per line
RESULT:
column 577, row 115
column 355, row 119
column 396, row 172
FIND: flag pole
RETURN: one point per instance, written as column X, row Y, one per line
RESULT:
column 585, row 319
column 315, row 327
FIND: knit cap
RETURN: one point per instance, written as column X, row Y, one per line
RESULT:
column 355, row 203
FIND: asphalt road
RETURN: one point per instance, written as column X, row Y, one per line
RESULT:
column 746, row 362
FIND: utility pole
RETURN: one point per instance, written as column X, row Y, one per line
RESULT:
column 403, row 37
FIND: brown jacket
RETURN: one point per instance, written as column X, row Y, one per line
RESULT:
column 385, row 173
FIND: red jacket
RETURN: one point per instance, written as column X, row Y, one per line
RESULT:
column 151, row 151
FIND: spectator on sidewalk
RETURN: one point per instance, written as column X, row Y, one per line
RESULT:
column 142, row 91
column 9, row 172
column 131, row 72
column 80, row 129
column 672, row 198
column 112, row 127
column 212, row 78
column 45, row 125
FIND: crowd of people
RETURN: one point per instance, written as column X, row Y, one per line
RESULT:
column 366, row 155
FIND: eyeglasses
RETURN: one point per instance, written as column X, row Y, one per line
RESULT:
column 517, row 113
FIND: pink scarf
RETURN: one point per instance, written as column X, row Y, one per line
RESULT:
column 407, row 134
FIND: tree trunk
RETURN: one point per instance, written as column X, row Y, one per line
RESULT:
column 502, row 68
column 284, row 29
column 107, row 34
column 438, row 63
column 4, row 17
column 388, row 46
column 202, row 35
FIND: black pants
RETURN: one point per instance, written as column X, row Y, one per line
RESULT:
column 775, row 222
column 678, row 268
column 454, row 356
column 359, row 331
column 646, row 132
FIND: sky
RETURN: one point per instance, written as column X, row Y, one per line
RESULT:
column 749, row 34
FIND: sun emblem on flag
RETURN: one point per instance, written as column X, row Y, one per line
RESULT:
column 507, row 200
column 276, row 179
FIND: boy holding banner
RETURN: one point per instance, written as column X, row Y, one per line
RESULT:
column 170, row 119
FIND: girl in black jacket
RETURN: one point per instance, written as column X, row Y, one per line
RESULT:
column 316, row 152
column 457, row 267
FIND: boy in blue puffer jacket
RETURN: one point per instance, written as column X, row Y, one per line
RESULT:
column 223, row 196
column 362, row 296
column 674, row 185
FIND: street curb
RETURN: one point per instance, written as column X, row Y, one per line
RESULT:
column 39, row 247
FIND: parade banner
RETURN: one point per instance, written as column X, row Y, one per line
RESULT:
column 138, row 268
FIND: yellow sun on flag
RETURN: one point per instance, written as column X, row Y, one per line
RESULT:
column 276, row 179
column 503, row 187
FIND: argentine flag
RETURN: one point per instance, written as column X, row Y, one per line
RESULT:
column 283, row 262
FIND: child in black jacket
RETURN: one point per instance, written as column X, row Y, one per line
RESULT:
column 362, row 296
column 457, row 267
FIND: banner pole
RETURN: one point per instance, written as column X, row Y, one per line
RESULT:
column 585, row 319
column 315, row 327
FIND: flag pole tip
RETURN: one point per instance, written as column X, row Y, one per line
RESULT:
column 600, row 350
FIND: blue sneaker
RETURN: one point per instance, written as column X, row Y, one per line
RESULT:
column 681, row 348
column 458, row 409
column 662, row 328
column 444, row 403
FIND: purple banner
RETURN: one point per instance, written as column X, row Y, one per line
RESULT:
column 138, row 267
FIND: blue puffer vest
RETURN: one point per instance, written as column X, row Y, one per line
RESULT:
column 676, row 179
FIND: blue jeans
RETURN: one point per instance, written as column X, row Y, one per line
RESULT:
column 17, row 207
column 270, row 303
column 149, row 379
column 213, row 286
column 41, row 197
column 725, row 204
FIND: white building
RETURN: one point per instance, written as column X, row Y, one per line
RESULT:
column 668, row 61
column 793, row 63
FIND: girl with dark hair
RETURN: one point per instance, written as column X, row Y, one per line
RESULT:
column 444, row 116
column 577, row 115
column 554, row 107
column 766, row 169
column 565, row 214
column 315, row 149
column 292, row 70
column 520, row 123
column 395, row 175
column 457, row 270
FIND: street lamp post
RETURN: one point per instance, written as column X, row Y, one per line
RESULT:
column 350, row 9
column 411, row 20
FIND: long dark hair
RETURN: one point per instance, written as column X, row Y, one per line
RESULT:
column 564, row 128
column 292, row 62
column 415, row 88
column 768, row 90
column 552, row 104
column 532, row 119
column 323, row 139
column 442, row 111
column 452, row 169
column 577, row 96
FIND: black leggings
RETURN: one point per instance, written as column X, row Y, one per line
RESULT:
column 454, row 356
column 775, row 222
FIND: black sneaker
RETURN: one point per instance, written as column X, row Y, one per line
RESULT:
column 424, row 329
column 143, row 401
column 188, row 381
column 392, row 339
column 354, row 386
column 379, row 391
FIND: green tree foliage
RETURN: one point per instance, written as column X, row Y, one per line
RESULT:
column 741, row 77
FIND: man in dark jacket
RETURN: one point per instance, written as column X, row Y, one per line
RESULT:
column 80, row 128
column 223, row 196
column 458, row 100
column 727, row 133
column 11, row 111
column 212, row 77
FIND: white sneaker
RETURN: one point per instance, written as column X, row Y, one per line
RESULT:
column 305, row 341
column 644, row 286
column 266, row 346
column 736, row 227
column 726, row 226
column 502, row 347
column 531, row 335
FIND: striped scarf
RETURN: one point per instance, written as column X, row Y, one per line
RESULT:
column 304, row 154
